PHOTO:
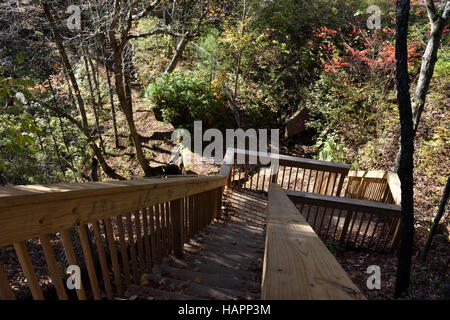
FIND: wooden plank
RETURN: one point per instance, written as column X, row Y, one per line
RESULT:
column 297, row 264
column 28, row 270
column 89, row 262
column 5, row 288
column 114, row 258
column 71, row 258
column 53, row 267
column 176, row 208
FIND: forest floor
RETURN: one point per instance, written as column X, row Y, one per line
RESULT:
column 430, row 280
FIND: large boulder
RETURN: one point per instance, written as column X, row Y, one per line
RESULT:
column 296, row 124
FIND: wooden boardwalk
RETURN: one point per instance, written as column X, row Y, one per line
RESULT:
column 224, row 261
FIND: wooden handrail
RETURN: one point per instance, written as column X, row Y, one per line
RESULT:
column 297, row 162
column 297, row 264
column 344, row 203
column 29, row 211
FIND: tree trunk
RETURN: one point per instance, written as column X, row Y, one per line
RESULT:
column 111, row 100
column 178, row 53
column 66, row 62
column 95, row 107
column 436, row 220
column 238, row 65
column 405, row 171
column 429, row 59
column 123, row 91
column 110, row 172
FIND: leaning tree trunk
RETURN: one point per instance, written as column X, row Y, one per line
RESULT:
column 405, row 171
column 66, row 62
column 178, row 53
column 429, row 58
column 436, row 220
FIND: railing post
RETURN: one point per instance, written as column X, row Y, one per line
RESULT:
column 273, row 173
column 176, row 207
column 218, row 211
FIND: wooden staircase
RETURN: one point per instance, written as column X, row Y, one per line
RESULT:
column 188, row 237
column 223, row 261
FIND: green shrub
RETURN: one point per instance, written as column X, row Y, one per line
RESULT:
column 182, row 98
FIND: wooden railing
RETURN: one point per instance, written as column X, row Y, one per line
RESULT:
column 116, row 231
column 305, row 179
column 351, row 222
column 297, row 264
column 121, row 229
column 290, row 173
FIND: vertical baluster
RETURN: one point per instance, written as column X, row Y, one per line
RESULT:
column 114, row 259
column 296, row 177
column 374, row 230
column 264, row 180
column 85, row 245
column 307, row 215
column 391, row 229
column 282, row 179
column 366, row 230
column 239, row 176
column 381, row 232
column 359, row 228
column 53, row 267
column 257, row 177
column 303, row 179
column 147, row 247
column 132, row 244
column 289, row 177
column 355, row 216
column 337, row 224
column 176, row 209
column 331, row 193
column 168, row 228
column 309, row 180
column 152, row 235
column 329, row 224
column 191, row 217
column 340, row 184
column 103, row 263
column 5, row 288
column 28, row 270
column 348, row 218
column 123, row 250
column 317, row 179
column 322, row 219
column 71, row 259
column 140, row 245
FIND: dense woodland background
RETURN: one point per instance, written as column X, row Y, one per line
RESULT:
column 100, row 102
